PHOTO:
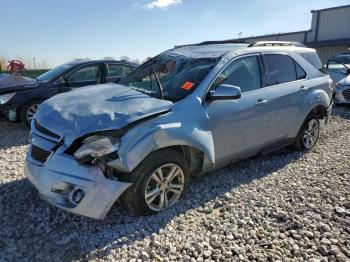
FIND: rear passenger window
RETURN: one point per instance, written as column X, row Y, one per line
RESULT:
column 301, row 74
column 280, row 68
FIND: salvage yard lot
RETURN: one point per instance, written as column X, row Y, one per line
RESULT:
column 283, row 206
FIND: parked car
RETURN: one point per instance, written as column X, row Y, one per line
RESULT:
column 339, row 70
column 187, row 111
column 20, row 96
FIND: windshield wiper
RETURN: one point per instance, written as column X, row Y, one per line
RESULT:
column 160, row 87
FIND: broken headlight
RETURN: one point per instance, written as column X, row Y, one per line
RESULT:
column 95, row 147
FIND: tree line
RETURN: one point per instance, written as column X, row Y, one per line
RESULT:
column 34, row 63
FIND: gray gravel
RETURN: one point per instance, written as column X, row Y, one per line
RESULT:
column 285, row 206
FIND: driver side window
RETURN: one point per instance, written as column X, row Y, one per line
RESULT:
column 243, row 72
column 88, row 73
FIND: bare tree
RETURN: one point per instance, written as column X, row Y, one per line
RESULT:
column 3, row 63
column 108, row 58
column 125, row 58
column 136, row 61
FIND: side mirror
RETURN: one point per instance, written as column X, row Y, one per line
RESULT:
column 61, row 80
column 225, row 92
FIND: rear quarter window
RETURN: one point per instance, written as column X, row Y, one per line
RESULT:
column 314, row 60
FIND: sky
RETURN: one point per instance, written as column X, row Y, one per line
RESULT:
column 59, row 31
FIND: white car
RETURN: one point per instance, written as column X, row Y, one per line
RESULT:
column 339, row 71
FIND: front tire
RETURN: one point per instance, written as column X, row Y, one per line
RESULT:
column 158, row 183
column 28, row 111
column 308, row 134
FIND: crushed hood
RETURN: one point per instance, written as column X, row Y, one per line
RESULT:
column 345, row 81
column 97, row 108
column 13, row 83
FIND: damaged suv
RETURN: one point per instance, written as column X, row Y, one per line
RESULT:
column 187, row 111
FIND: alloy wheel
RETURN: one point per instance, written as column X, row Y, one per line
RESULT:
column 311, row 133
column 164, row 187
column 31, row 112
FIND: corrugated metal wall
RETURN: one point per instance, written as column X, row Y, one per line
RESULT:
column 298, row 37
column 327, row 52
column 334, row 24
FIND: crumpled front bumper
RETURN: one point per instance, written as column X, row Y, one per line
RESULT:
column 61, row 176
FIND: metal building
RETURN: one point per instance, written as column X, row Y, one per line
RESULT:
column 329, row 33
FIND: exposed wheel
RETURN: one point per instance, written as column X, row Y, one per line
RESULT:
column 28, row 111
column 308, row 134
column 158, row 183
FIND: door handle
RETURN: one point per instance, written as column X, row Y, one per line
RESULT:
column 261, row 101
column 303, row 89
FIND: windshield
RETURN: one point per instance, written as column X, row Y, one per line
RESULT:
column 53, row 73
column 337, row 70
column 169, row 76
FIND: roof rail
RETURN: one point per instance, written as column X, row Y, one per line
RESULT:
column 276, row 43
column 237, row 41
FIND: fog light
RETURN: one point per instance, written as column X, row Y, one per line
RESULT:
column 12, row 115
column 76, row 196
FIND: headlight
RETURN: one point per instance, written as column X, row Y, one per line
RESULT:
column 96, row 146
column 5, row 98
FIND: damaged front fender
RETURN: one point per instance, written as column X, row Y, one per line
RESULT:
column 165, row 131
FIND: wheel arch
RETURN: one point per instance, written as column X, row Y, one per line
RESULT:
column 196, row 146
column 26, row 104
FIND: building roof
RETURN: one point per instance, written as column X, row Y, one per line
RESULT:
column 330, row 8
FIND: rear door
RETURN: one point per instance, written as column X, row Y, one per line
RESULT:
column 115, row 71
column 285, row 82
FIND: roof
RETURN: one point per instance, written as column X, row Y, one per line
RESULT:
column 330, row 8
column 81, row 62
column 206, row 51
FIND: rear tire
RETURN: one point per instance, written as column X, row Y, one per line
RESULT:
column 158, row 183
column 28, row 111
column 308, row 133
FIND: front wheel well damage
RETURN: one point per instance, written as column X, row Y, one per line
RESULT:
column 194, row 157
column 320, row 111
column 194, row 160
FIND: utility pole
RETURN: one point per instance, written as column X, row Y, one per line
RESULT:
column 34, row 62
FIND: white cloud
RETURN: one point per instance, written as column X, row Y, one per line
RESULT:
column 163, row 4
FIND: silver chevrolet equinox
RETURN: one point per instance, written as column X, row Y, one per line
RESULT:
column 187, row 111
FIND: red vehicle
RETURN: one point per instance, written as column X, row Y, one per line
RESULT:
column 15, row 67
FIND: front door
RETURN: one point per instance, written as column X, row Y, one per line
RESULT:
column 238, row 126
column 82, row 76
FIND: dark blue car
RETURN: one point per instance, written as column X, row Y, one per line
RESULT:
column 20, row 96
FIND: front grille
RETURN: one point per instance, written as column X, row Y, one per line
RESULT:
column 346, row 94
column 39, row 154
column 45, row 130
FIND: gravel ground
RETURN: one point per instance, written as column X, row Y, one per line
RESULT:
column 285, row 206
